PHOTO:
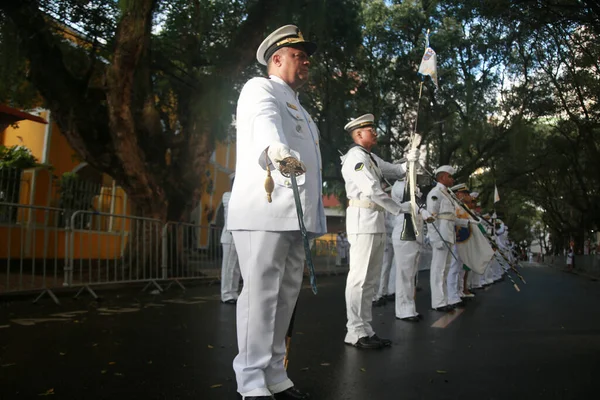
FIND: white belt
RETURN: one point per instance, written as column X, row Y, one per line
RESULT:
column 365, row 204
column 446, row 216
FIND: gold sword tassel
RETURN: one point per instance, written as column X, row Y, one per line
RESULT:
column 269, row 184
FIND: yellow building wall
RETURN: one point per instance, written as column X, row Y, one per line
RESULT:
column 27, row 133
column 220, row 168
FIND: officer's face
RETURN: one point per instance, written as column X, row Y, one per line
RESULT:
column 293, row 66
column 446, row 179
column 368, row 137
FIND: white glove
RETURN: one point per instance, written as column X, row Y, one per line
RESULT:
column 427, row 216
column 279, row 151
column 412, row 155
column 404, row 207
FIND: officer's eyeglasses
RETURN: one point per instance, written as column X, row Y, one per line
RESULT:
column 371, row 131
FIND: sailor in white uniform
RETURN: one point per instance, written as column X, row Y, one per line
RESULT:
column 272, row 126
column 230, row 268
column 365, row 225
column 407, row 254
column 442, row 236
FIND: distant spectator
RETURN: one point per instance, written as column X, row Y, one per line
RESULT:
column 570, row 256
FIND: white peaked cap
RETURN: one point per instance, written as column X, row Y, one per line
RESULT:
column 286, row 36
column 360, row 122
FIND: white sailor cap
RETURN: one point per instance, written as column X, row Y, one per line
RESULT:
column 474, row 195
column 445, row 168
column 461, row 187
column 286, row 36
column 360, row 122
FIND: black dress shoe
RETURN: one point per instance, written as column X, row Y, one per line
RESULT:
column 291, row 393
column 460, row 304
column 444, row 309
column 384, row 342
column 419, row 316
column 230, row 301
column 379, row 302
column 414, row 318
column 390, row 297
column 366, row 342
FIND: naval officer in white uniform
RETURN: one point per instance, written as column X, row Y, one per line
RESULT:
column 365, row 224
column 273, row 126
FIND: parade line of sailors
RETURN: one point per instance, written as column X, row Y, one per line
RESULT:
column 263, row 241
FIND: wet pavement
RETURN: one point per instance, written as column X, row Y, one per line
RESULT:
column 540, row 343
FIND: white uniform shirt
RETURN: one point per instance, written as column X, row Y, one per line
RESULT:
column 362, row 172
column 269, row 112
column 440, row 205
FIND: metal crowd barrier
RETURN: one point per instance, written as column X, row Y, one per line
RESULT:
column 45, row 248
column 190, row 252
column 128, row 252
column 32, row 249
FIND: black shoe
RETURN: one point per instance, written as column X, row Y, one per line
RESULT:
column 384, row 342
column 366, row 342
column 419, row 316
column 379, row 302
column 291, row 393
column 444, row 309
column 414, row 318
column 460, row 304
column 390, row 297
column 230, row 301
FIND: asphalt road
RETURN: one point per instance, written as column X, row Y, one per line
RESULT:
column 540, row 343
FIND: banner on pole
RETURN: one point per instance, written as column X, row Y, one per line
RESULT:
column 496, row 195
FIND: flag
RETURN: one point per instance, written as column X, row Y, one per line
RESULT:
column 475, row 251
column 428, row 65
column 496, row 195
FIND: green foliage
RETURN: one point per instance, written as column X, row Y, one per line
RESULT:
column 17, row 157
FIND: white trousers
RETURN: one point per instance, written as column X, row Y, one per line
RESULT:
column 407, row 267
column 271, row 264
column 230, row 273
column 488, row 275
column 454, row 278
column 438, row 274
column 475, row 280
column 382, row 285
column 366, row 256
column 497, row 270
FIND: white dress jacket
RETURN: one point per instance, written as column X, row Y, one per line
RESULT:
column 269, row 112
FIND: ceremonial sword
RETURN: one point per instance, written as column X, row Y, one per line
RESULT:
column 309, row 263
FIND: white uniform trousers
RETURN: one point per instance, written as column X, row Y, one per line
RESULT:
column 271, row 265
column 230, row 273
column 475, row 280
column 498, row 271
column 366, row 256
column 407, row 267
column 488, row 275
column 382, row 286
column 461, row 281
column 453, row 278
column 438, row 273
